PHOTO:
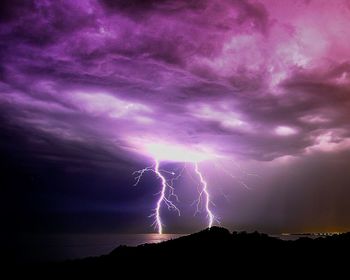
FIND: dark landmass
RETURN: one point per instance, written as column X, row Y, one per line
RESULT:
column 210, row 250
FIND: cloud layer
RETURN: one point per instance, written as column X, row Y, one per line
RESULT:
column 256, row 80
column 86, row 87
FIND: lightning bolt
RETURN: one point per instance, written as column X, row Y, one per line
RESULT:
column 180, row 154
column 205, row 192
column 139, row 173
column 165, row 188
column 167, row 193
column 160, row 200
column 236, row 178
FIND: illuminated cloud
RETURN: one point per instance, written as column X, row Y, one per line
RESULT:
column 227, row 75
column 285, row 131
column 330, row 141
column 102, row 104
column 219, row 113
column 171, row 152
column 104, row 85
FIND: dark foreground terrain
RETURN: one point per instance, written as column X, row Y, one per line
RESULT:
column 214, row 250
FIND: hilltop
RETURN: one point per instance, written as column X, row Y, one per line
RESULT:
column 211, row 249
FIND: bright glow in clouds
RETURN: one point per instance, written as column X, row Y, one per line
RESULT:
column 171, row 151
column 285, row 131
column 175, row 153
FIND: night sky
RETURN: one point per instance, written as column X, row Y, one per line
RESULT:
column 256, row 92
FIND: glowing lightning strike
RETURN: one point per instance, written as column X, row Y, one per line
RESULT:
column 166, row 188
column 139, row 173
column 204, row 190
column 167, row 192
column 161, row 199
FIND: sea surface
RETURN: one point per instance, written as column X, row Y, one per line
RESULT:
column 58, row 247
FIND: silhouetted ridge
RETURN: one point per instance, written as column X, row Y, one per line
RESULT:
column 215, row 247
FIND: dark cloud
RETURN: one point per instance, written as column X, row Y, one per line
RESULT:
column 11, row 10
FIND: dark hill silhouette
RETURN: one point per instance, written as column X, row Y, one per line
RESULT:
column 210, row 250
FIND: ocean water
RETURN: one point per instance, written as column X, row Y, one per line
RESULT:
column 58, row 247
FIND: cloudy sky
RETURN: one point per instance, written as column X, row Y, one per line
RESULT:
column 258, row 91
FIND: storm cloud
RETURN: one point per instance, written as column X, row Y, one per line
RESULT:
column 256, row 81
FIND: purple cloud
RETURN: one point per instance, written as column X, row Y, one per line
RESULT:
column 236, row 77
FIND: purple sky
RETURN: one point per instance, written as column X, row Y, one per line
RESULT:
column 88, row 85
